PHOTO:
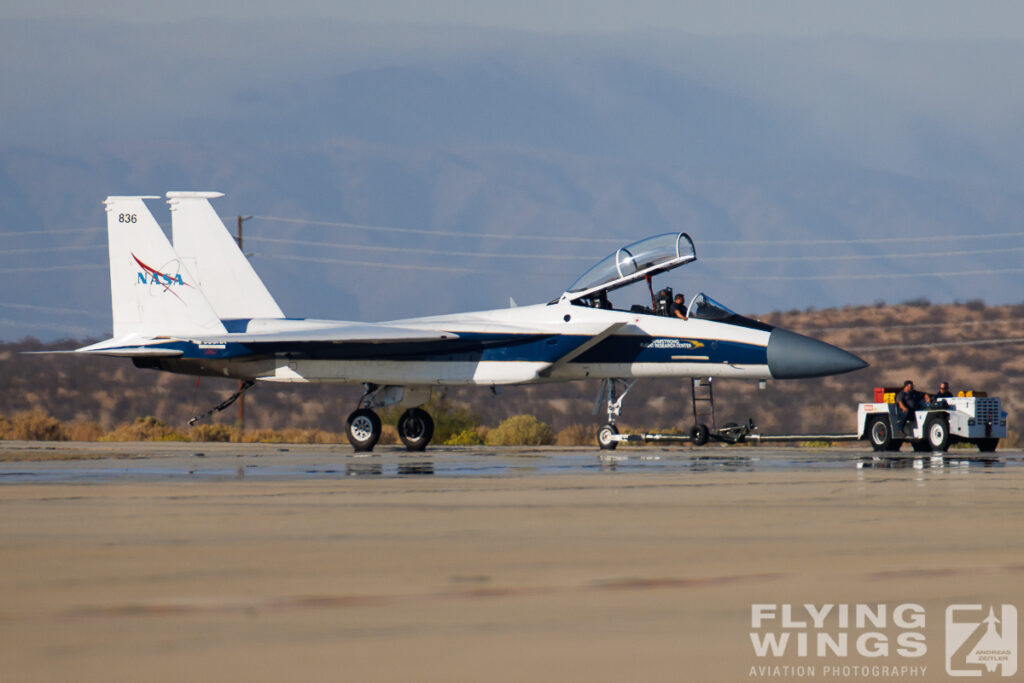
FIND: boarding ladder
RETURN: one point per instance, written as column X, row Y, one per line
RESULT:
column 703, row 393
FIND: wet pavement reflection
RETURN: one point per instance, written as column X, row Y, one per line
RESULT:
column 298, row 462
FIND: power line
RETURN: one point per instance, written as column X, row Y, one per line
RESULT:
column 373, row 264
column 933, row 345
column 863, row 240
column 916, row 326
column 872, row 276
column 439, row 233
column 547, row 257
column 557, row 238
column 551, row 238
column 37, row 250
column 576, row 257
column 39, row 269
column 52, row 309
column 414, row 250
column 77, row 329
column 61, row 231
column 858, row 257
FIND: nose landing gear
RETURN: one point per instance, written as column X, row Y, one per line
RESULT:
column 606, row 435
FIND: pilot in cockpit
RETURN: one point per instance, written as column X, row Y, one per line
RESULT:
column 677, row 308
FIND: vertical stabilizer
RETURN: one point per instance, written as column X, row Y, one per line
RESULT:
column 152, row 292
column 212, row 255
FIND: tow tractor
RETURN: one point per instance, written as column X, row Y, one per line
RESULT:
column 971, row 417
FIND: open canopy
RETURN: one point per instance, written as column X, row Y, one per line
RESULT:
column 634, row 262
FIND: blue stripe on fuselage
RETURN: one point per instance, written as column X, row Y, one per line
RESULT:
column 476, row 347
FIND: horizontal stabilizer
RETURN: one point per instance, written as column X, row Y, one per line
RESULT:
column 130, row 347
column 133, row 352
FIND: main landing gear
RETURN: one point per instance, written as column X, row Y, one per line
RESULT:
column 415, row 426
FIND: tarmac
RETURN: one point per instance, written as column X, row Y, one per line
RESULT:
column 266, row 562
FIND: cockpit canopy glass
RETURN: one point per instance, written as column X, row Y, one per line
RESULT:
column 634, row 262
column 705, row 308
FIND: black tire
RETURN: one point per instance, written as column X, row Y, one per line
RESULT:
column 921, row 446
column 699, row 434
column 987, row 445
column 416, row 429
column 731, row 433
column 363, row 429
column 604, row 441
column 936, row 433
column 880, row 435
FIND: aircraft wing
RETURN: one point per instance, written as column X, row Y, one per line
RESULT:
column 358, row 333
column 585, row 346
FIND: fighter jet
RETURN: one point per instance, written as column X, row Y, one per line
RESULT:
column 199, row 308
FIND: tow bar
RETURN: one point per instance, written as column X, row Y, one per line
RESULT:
column 729, row 433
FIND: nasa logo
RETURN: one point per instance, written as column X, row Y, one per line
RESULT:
column 151, row 276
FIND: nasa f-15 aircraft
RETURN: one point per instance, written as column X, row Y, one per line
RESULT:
column 199, row 308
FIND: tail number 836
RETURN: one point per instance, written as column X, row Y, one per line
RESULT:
column 127, row 218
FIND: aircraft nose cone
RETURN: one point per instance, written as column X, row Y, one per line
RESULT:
column 794, row 356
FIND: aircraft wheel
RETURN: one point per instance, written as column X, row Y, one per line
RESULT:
column 937, row 432
column 732, row 433
column 987, row 445
column 415, row 429
column 699, row 434
column 604, row 438
column 363, row 429
column 880, row 435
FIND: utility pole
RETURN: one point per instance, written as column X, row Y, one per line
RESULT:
column 241, row 399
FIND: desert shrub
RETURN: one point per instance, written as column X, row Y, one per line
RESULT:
column 974, row 305
column 576, row 435
column 85, row 431
column 35, row 425
column 147, row 428
column 521, row 430
column 467, row 437
column 5, row 426
column 262, row 436
column 292, row 436
column 215, row 432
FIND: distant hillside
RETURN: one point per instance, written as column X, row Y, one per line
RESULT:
column 970, row 345
column 395, row 171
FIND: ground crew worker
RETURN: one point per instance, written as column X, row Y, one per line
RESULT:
column 907, row 402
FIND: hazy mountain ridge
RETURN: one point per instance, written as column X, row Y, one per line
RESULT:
column 737, row 141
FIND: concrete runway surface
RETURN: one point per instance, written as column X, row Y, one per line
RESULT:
column 274, row 562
